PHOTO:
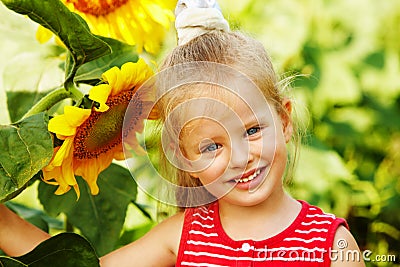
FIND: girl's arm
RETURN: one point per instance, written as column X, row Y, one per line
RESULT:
column 159, row 247
column 345, row 251
column 17, row 236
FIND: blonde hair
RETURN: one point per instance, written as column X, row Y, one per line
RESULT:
column 236, row 50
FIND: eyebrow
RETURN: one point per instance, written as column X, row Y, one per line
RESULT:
column 203, row 134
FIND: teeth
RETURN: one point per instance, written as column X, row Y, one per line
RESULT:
column 247, row 179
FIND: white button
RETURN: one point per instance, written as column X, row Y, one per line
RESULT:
column 246, row 247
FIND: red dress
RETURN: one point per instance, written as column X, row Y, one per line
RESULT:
column 305, row 243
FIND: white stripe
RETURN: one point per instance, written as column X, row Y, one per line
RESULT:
column 185, row 263
column 320, row 216
column 204, row 218
column 304, row 240
column 311, row 230
column 202, row 233
column 203, row 225
column 313, row 209
column 212, row 255
column 216, row 245
column 316, row 222
column 205, row 210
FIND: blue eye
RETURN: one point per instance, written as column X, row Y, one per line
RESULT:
column 253, row 130
column 211, row 148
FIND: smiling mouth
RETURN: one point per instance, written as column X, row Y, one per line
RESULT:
column 248, row 178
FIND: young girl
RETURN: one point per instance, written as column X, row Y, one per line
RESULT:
column 226, row 128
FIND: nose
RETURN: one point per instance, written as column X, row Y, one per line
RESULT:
column 241, row 155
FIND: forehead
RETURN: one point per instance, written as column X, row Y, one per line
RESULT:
column 218, row 103
column 208, row 79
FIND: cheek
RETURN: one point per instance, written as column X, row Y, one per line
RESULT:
column 268, row 145
column 215, row 170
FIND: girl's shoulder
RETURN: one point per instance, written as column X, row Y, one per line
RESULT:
column 171, row 228
column 316, row 216
column 161, row 242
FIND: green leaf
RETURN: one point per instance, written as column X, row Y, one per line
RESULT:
column 55, row 204
column 121, row 53
column 25, row 148
column 10, row 262
column 134, row 234
column 142, row 209
column 20, row 102
column 63, row 250
column 100, row 218
column 68, row 26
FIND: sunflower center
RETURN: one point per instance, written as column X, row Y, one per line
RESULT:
column 97, row 7
column 102, row 131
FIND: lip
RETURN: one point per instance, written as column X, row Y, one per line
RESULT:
column 252, row 183
column 245, row 175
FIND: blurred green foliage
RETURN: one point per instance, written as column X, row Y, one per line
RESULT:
column 346, row 56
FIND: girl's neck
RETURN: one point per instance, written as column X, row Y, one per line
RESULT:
column 260, row 221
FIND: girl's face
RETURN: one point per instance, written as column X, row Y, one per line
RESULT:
column 237, row 150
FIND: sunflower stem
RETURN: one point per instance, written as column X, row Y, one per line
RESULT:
column 48, row 101
column 76, row 93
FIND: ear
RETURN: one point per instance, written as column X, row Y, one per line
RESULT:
column 286, row 119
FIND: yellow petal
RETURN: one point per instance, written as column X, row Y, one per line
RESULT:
column 43, row 35
column 58, row 125
column 54, row 177
column 67, row 123
column 67, row 166
column 128, row 71
column 135, row 74
column 89, row 170
column 100, row 94
column 159, row 15
column 59, row 42
column 61, row 190
column 145, row 71
column 50, row 182
column 77, row 191
column 63, row 152
column 119, row 154
column 112, row 76
column 61, row 137
column 50, row 166
column 49, row 174
column 76, row 116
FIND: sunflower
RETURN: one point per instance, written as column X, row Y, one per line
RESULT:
column 92, row 138
column 143, row 23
